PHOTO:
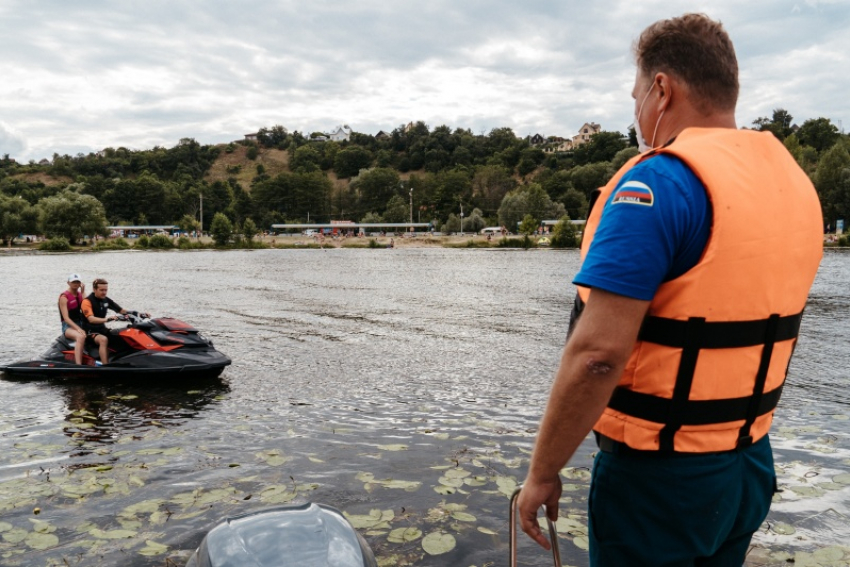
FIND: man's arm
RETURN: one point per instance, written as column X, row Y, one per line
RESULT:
column 591, row 366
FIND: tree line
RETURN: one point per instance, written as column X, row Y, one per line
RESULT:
column 495, row 179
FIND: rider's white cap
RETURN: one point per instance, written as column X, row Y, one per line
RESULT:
column 75, row 278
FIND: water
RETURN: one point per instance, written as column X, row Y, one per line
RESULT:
column 408, row 381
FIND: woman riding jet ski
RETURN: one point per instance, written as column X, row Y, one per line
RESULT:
column 161, row 347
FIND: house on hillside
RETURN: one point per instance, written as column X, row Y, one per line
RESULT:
column 340, row 134
column 536, row 140
column 585, row 132
column 251, row 137
column 382, row 136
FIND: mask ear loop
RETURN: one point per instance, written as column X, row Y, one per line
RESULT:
column 657, row 122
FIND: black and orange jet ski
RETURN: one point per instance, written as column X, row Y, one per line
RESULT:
column 144, row 348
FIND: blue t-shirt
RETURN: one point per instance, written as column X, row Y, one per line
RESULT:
column 653, row 229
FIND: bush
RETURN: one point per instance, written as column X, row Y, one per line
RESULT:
column 112, row 244
column 564, row 234
column 143, row 241
column 184, row 243
column 374, row 244
column 55, row 244
column 524, row 242
column 160, row 241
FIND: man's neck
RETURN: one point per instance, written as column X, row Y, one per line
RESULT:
column 678, row 121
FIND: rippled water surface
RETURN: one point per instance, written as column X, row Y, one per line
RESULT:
column 408, row 381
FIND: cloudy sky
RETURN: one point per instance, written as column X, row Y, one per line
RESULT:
column 81, row 76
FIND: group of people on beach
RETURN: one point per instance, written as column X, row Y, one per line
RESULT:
column 84, row 318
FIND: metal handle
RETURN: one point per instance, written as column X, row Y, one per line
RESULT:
column 553, row 533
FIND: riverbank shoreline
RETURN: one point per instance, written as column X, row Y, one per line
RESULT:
column 299, row 241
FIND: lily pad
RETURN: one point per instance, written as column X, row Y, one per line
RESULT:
column 437, row 543
column 404, row 535
column 843, row 478
column 153, row 548
column 487, row 531
column 782, row 528
column 581, row 542
column 112, row 534
column 464, row 517
column 396, row 447
column 40, row 541
column 15, row 535
column 828, row 555
column 506, row 484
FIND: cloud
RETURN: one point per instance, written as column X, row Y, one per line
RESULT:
column 96, row 74
column 11, row 142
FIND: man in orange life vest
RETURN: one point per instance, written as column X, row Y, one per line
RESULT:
column 697, row 260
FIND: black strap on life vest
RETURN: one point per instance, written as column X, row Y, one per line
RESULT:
column 692, row 336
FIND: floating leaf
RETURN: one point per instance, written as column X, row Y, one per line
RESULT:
column 581, row 542
column 277, row 494
column 456, row 473
column 112, row 534
column 215, row 495
column 807, row 491
column 42, row 527
column 444, row 490
column 487, row 531
column 5, row 527
column 396, row 447
column 374, row 519
column 404, row 535
column 475, row 481
column 437, row 543
column 507, row 485
column 153, row 548
column 40, row 541
column 843, row 478
column 15, row 535
column 828, row 555
column 406, row 485
column 464, row 517
column 453, row 482
column 315, row 459
column 782, row 528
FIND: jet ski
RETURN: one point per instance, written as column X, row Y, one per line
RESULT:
column 143, row 348
column 310, row 534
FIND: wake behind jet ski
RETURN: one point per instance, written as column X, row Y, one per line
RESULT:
column 144, row 348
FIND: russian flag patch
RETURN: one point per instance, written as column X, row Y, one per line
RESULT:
column 634, row 193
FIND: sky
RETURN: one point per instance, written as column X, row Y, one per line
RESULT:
column 77, row 77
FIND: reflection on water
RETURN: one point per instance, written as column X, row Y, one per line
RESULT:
column 404, row 381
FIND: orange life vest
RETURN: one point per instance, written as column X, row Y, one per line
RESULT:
column 708, row 368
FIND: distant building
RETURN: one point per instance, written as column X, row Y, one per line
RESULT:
column 340, row 134
column 557, row 144
column 584, row 133
column 382, row 135
column 536, row 140
column 251, row 137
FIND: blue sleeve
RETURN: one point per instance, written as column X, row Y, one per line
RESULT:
column 654, row 228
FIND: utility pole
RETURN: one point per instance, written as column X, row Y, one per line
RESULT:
column 411, row 208
column 201, row 231
column 461, row 218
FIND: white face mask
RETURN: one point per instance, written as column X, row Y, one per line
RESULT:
column 642, row 145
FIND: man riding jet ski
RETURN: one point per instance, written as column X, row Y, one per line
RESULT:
column 161, row 347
